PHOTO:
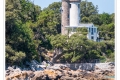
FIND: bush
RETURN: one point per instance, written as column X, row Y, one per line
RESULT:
column 102, row 59
column 13, row 56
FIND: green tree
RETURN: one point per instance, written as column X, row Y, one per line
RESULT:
column 95, row 19
column 87, row 9
column 19, row 32
column 13, row 56
column 105, row 18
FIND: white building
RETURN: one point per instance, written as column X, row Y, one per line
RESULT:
column 92, row 31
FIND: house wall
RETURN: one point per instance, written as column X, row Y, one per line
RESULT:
column 89, row 35
column 95, row 34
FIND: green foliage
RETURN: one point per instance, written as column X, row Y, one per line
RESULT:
column 85, row 20
column 95, row 19
column 82, row 30
column 87, row 9
column 80, row 48
column 13, row 56
column 19, row 32
column 102, row 59
column 74, row 59
column 110, row 56
column 68, row 56
column 30, row 31
column 58, row 41
column 107, row 31
column 46, row 20
column 105, row 18
column 89, row 12
column 56, row 16
column 93, row 54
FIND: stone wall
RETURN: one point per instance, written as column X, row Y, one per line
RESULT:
column 87, row 66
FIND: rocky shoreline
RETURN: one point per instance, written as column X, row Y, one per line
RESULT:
column 59, row 73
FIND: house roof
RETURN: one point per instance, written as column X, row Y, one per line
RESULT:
column 83, row 25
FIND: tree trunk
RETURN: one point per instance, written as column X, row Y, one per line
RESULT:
column 57, row 54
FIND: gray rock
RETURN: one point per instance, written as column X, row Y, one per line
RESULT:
column 17, row 70
column 34, row 62
column 7, row 71
column 38, row 68
column 10, row 68
column 67, row 78
column 32, row 68
column 14, row 67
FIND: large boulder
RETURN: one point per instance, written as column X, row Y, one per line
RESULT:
column 38, row 75
column 58, row 73
column 74, row 73
column 66, row 78
column 10, row 68
column 50, row 73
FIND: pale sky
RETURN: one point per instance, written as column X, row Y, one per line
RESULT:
column 103, row 5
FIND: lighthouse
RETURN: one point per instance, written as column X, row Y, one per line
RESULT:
column 71, row 20
column 70, row 14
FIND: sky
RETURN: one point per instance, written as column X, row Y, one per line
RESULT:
column 107, row 6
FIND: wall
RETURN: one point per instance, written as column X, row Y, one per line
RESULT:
column 65, row 19
column 87, row 66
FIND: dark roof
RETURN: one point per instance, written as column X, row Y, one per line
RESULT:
column 83, row 25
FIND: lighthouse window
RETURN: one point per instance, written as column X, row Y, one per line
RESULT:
column 70, row 5
column 68, row 15
column 78, row 5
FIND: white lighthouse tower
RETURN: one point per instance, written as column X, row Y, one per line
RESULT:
column 74, row 13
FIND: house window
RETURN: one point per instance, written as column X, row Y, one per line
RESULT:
column 78, row 5
column 92, row 37
column 94, row 29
